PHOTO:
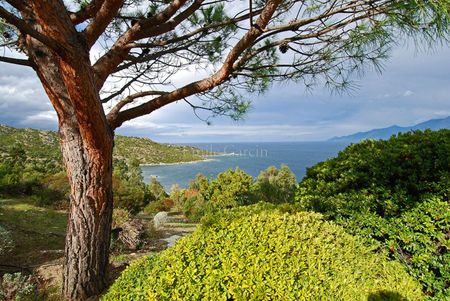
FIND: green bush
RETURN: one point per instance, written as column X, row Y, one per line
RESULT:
column 395, row 194
column 418, row 238
column 385, row 177
column 157, row 206
column 263, row 254
column 230, row 189
column 276, row 185
column 6, row 242
column 17, row 287
column 129, row 189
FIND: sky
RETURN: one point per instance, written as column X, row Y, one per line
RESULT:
column 413, row 87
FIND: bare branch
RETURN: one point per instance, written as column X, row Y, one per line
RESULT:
column 129, row 99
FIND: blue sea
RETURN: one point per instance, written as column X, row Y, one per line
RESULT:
column 250, row 157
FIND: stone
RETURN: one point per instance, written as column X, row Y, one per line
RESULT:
column 160, row 219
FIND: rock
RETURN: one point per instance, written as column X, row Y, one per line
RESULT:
column 160, row 219
column 171, row 240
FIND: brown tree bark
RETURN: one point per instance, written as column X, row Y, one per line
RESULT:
column 86, row 141
column 90, row 213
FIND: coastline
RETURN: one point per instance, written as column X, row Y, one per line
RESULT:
column 205, row 159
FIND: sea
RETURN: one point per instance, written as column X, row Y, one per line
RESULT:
column 250, row 157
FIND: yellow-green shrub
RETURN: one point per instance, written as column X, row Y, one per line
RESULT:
column 266, row 255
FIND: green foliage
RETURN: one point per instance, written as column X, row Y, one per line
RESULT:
column 265, row 256
column 156, row 189
column 17, row 287
column 230, row 189
column 53, row 189
column 395, row 194
column 276, row 186
column 159, row 205
column 385, row 177
column 159, row 199
column 418, row 238
column 6, row 242
column 130, row 192
column 119, row 217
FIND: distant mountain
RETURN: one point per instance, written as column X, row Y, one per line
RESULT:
column 44, row 145
column 386, row 133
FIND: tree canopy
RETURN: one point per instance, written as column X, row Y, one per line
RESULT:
column 137, row 47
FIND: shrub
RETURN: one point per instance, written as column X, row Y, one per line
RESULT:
column 156, row 189
column 265, row 255
column 120, row 217
column 230, row 189
column 395, row 194
column 47, row 197
column 17, row 287
column 385, row 177
column 160, row 205
column 418, row 238
column 129, row 195
column 130, row 191
column 6, row 242
column 276, row 185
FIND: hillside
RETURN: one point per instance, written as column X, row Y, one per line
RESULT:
column 44, row 145
column 386, row 133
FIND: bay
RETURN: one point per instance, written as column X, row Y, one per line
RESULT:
column 250, row 157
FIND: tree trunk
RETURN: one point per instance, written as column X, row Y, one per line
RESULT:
column 90, row 214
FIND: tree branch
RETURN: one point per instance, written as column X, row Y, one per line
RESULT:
column 87, row 12
column 206, row 84
column 15, row 61
column 130, row 98
column 27, row 29
column 110, row 60
column 103, row 17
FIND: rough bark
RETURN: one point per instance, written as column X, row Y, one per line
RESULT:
column 90, row 213
column 86, row 143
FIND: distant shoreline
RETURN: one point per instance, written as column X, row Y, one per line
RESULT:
column 206, row 158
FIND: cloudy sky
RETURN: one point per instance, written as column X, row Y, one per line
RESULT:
column 414, row 87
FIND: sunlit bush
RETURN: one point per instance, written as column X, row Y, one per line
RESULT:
column 263, row 254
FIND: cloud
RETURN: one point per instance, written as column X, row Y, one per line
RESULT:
column 408, row 93
column 414, row 87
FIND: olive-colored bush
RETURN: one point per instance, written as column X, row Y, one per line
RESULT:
column 275, row 185
column 258, row 253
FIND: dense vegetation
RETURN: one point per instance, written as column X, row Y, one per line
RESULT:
column 266, row 256
column 234, row 188
column 395, row 194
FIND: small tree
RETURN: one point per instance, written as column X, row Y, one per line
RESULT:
column 146, row 42
column 276, row 185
